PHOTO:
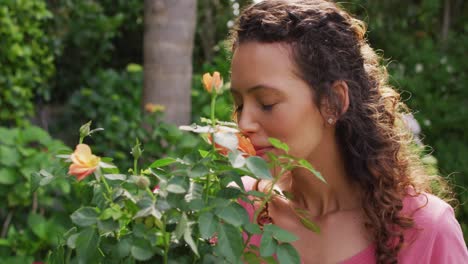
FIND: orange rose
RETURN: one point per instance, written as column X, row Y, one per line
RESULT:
column 244, row 145
column 210, row 82
column 83, row 162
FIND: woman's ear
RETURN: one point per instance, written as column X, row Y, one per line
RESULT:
column 337, row 101
column 340, row 91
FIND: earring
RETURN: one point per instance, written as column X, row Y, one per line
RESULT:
column 330, row 121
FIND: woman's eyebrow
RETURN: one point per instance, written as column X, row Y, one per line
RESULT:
column 255, row 88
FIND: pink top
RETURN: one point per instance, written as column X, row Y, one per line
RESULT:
column 435, row 238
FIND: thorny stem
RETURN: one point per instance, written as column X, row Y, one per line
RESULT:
column 269, row 194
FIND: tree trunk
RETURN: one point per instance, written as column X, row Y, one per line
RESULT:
column 167, row 55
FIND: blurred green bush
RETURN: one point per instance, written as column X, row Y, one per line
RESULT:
column 26, row 59
column 32, row 221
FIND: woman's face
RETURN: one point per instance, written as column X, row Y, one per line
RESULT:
column 272, row 101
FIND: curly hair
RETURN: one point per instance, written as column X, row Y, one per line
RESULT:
column 328, row 45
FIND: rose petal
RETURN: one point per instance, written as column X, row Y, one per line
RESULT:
column 207, row 82
column 228, row 140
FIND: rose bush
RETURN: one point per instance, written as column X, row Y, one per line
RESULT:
column 179, row 209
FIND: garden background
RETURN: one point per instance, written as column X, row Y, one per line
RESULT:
column 63, row 63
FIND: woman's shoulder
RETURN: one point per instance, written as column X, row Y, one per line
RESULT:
column 436, row 234
column 425, row 208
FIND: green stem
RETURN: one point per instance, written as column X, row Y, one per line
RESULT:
column 166, row 242
column 247, row 242
column 213, row 108
column 108, row 189
column 213, row 125
column 207, row 187
column 269, row 194
column 135, row 166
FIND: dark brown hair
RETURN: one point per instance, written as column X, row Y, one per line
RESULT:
column 328, row 45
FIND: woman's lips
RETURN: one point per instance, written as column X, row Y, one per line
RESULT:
column 260, row 151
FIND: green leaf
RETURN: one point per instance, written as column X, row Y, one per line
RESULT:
column 251, row 258
column 47, row 177
column 203, row 153
column 162, row 162
column 33, row 133
column 113, row 177
column 8, row 176
column 4, row 242
column 287, row 254
column 198, row 171
column 122, row 249
column 194, row 192
column 9, row 156
column 38, row 225
column 109, row 225
column 71, row 241
column 35, row 178
column 230, row 243
column 305, row 164
column 280, row 234
column 181, row 226
column 306, row 222
column 207, row 223
column 141, row 250
column 267, row 245
column 8, row 135
column 252, row 228
column 259, row 167
column 278, row 144
column 189, row 240
column 87, row 244
column 85, row 216
column 270, row 260
column 150, row 210
column 234, row 214
column 175, row 188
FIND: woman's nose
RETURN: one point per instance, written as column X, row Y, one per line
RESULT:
column 247, row 122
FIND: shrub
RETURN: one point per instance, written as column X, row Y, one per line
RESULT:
column 26, row 58
column 32, row 220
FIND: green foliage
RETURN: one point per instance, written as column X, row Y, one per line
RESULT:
column 186, row 217
column 26, row 58
column 112, row 100
column 32, row 221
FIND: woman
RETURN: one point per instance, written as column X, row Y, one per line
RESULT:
column 303, row 72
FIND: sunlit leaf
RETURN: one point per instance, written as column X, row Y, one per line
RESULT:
column 278, row 144
column 162, row 162
column 305, row 164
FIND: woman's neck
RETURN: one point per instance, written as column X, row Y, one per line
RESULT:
column 319, row 198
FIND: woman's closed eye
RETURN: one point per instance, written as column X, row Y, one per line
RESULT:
column 267, row 107
column 264, row 107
